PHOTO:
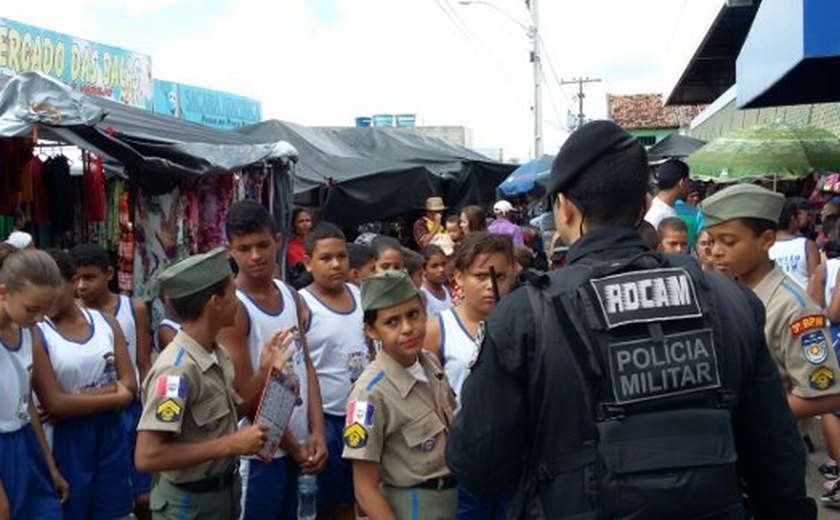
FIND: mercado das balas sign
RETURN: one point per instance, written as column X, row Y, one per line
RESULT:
column 88, row 67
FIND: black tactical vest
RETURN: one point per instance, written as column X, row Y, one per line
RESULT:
column 639, row 421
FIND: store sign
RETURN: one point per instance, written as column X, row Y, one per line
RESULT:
column 88, row 67
column 205, row 106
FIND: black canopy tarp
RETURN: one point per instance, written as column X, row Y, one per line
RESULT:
column 379, row 173
column 674, row 146
column 143, row 141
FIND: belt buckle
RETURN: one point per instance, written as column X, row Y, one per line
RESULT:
column 440, row 483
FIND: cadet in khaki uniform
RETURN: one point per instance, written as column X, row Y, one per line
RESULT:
column 399, row 411
column 742, row 221
column 187, row 431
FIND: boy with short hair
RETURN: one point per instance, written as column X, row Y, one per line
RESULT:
column 95, row 272
column 673, row 236
column 742, row 222
column 414, row 265
column 188, row 432
column 340, row 353
column 267, row 305
column 362, row 263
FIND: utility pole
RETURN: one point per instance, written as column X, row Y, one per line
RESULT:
column 536, row 60
column 580, row 95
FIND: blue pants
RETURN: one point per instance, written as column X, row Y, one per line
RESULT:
column 335, row 484
column 141, row 483
column 470, row 507
column 25, row 476
column 92, row 453
column 270, row 490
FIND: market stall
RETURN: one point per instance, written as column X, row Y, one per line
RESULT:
column 147, row 187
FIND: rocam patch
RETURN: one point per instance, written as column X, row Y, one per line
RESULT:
column 642, row 370
column 815, row 346
column 168, row 411
column 355, row 436
column 646, row 296
column 822, row 378
column 803, row 325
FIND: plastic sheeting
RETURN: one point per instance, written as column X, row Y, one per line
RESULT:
column 144, row 142
column 377, row 174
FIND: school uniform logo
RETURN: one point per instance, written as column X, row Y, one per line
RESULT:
column 359, row 418
column 355, row 436
column 822, row 378
column 169, row 411
column 807, row 323
column 643, row 370
column 815, row 347
column 645, row 296
column 171, row 392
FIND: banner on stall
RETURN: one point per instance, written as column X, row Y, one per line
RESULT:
column 205, row 106
column 88, row 67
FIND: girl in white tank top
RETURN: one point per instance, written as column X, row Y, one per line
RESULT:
column 455, row 334
column 28, row 473
column 791, row 255
column 83, row 378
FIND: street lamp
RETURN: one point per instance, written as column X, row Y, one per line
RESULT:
column 533, row 31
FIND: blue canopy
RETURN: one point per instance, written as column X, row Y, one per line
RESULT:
column 528, row 178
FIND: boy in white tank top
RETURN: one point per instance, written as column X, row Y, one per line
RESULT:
column 267, row 306
column 795, row 254
column 95, row 272
column 340, row 353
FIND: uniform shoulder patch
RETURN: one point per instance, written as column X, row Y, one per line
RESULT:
column 815, row 346
column 807, row 323
column 360, row 412
column 171, row 386
column 355, row 436
column 168, row 411
column 822, row 378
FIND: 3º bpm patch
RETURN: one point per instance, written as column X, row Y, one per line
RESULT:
column 644, row 369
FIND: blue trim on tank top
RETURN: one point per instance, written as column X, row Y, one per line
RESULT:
column 442, row 339
column 348, row 313
column 19, row 341
column 460, row 324
column 261, row 308
column 794, row 293
column 92, row 324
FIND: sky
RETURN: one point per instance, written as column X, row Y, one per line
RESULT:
column 325, row 62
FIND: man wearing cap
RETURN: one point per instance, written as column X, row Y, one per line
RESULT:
column 673, row 183
column 503, row 225
column 429, row 225
column 742, row 221
column 187, row 432
column 21, row 240
column 628, row 384
column 399, row 411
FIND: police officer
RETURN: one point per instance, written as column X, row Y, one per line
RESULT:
column 627, row 384
column 742, row 221
column 188, row 428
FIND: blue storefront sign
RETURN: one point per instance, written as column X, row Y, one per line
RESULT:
column 88, row 67
column 205, row 106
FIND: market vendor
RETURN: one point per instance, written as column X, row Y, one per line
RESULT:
column 430, row 225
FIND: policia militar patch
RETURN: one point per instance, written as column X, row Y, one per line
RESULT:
column 643, row 369
column 645, row 296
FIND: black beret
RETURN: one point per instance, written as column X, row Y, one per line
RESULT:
column 586, row 145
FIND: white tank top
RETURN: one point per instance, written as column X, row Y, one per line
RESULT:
column 792, row 257
column 124, row 314
column 86, row 364
column 435, row 306
column 337, row 347
column 458, row 349
column 166, row 322
column 262, row 325
column 15, row 365
column 832, row 266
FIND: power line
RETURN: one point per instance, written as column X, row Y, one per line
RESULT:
column 554, row 72
column 580, row 95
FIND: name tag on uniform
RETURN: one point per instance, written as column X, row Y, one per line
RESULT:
column 645, row 296
column 642, row 370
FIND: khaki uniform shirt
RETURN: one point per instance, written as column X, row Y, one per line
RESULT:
column 399, row 421
column 798, row 337
column 189, row 392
